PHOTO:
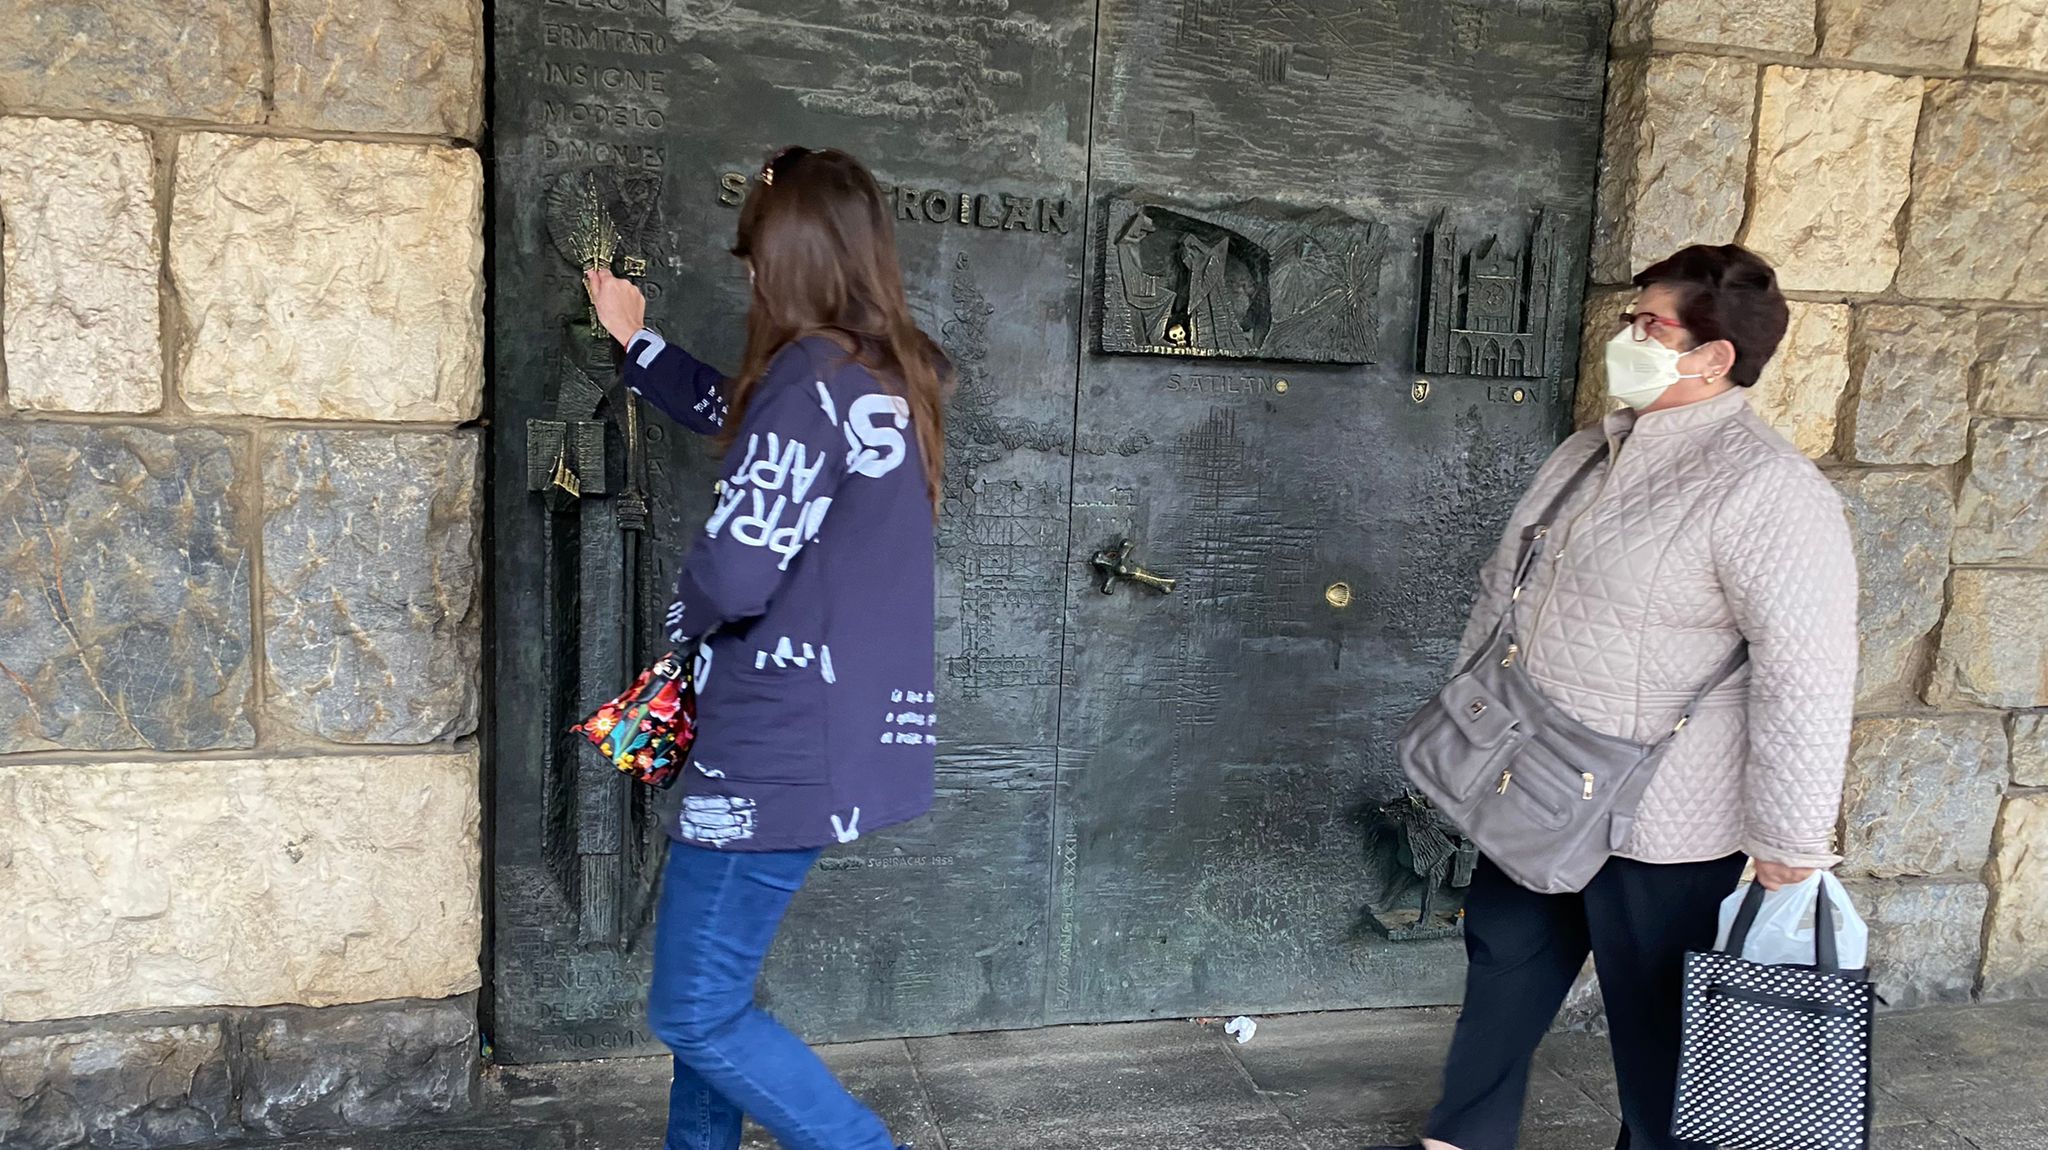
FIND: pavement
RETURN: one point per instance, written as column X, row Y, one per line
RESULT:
column 1970, row 1078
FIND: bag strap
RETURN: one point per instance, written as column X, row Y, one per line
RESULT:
column 1532, row 545
column 1534, row 534
column 1826, row 958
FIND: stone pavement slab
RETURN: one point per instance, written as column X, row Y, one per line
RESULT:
column 1973, row 1078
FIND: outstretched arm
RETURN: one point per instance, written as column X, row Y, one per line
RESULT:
column 686, row 389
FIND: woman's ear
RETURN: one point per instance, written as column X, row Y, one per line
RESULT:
column 1713, row 361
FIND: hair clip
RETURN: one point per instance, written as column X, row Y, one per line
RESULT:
column 768, row 177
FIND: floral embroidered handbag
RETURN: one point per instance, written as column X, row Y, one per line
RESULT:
column 647, row 731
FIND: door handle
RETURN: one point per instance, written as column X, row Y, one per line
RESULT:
column 1115, row 563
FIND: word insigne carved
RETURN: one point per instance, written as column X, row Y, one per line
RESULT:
column 993, row 211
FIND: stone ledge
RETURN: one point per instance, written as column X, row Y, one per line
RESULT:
column 182, row 1078
column 320, row 881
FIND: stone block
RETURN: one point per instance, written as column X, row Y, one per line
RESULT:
column 1994, row 651
column 315, row 881
column 1674, row 159
column 81, row 258
column 1902, row 33
column 348, row 1068
column 1909, row 371
column 2016, row 936
column 124, row 590
column 329, row 279
column 187, row 59
column 2000, row 511
column 1922, row 794
column 371, row 560
column 1598, row 324
column 1770, row 25
column 1902, row 523
column 2013, row 34
column 1979, row 224
column 1800, row 393
column 1834, row 155
column 380, row 65
column 2028, row 731
column 2010, row 376
column 117, row 1082
column 1926, row 938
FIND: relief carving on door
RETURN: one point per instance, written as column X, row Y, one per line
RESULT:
column 589, row 464
column 1252, row 281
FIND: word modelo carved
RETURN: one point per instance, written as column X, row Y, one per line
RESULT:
column 993, row 211
column 1253, row 281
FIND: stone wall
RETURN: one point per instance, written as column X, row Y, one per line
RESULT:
column 241, row 348
column 1891, row 158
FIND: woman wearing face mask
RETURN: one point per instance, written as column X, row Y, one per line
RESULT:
column 811, row 588
column 1702, row 531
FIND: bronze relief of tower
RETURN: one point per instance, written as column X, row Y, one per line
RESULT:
column 1487, row 305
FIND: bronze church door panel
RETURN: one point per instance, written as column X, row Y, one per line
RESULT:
column 1180, row 255
column 1305, row 213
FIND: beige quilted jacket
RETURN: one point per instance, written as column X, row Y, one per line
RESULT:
column 1705, row 529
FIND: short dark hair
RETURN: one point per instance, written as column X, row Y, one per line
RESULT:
column 1726, row 292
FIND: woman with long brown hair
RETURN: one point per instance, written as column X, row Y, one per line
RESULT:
column 811, row 593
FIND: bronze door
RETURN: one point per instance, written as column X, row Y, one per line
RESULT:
column 1282, row 296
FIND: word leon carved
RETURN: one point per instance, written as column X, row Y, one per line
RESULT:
column 996, row 211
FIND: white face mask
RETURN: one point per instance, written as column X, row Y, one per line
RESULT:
column 1640, row 371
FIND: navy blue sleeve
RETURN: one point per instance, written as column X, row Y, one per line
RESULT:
column 685, row 388
column 780, row 475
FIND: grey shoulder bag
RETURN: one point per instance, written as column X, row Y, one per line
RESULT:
column 1544, row 796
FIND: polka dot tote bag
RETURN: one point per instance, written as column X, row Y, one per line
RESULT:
column 1775, row 1057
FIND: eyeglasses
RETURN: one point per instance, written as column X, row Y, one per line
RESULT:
column 1648, row 323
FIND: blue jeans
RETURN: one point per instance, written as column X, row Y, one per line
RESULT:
column 719, row 913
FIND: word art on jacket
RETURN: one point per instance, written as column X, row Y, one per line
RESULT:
column 811, row 588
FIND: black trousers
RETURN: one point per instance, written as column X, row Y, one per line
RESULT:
column 1638, row 920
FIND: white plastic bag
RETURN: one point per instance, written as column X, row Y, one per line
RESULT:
column 1783, row 934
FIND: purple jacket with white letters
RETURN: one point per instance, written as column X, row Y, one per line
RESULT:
column 812, row 588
